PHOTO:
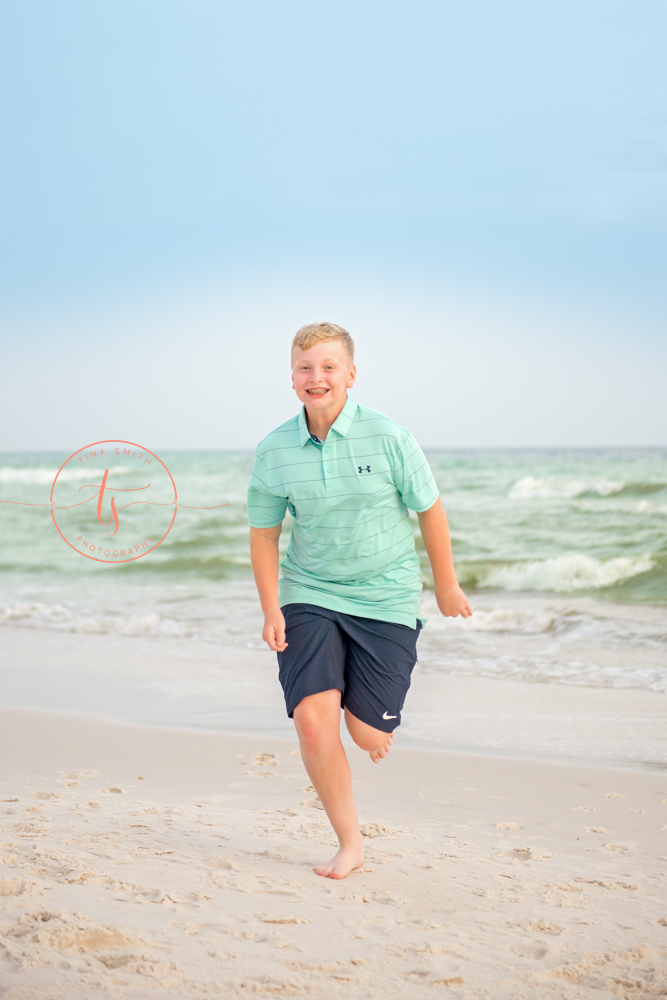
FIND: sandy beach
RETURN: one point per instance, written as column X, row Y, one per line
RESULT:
column 363, row 299
column 143, row 861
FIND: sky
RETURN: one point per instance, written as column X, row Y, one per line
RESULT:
column 476, row 191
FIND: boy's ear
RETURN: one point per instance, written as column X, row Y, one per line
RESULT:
column 352, row 378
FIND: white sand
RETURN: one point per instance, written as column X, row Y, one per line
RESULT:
column 140, row 862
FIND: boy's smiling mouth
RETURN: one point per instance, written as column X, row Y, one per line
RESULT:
column 316, row 392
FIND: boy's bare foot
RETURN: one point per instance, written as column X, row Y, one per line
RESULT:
column 342, row 863
column 377, row 755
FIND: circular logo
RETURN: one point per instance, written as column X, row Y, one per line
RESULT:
column 113, row 501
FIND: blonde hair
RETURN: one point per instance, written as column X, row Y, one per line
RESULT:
column 316, row 333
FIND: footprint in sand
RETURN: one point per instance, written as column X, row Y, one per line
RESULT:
column 566, row 887
column 227, row 865
column 16, row 887
column 291, row 919
column 265, row 759
column 380, row 896
column 509, row 826
column 546, row 927
column 70, row 933
column 374, row 830
column 529, row 950
column 113, row 790
column 595, row 829
column 613, row 795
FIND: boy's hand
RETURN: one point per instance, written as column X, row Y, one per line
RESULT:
column 452, row 602
column 273, row 632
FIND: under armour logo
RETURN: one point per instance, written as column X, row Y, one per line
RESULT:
column 368, row 468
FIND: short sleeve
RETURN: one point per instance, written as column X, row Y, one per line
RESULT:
column 265, row 509
column 413, row 477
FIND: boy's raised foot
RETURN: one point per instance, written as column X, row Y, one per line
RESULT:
column 344, row 862
column 377, row 755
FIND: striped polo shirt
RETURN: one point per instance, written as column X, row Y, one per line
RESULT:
column 351, row 547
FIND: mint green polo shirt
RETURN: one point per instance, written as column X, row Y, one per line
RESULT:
column 351, row 547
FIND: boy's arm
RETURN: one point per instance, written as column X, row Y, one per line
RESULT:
column 264, row 557
column 435, row 532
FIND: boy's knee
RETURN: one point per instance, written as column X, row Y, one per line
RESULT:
column 310, row 731
column 317, row 720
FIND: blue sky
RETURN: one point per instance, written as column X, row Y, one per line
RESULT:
column 478, row 191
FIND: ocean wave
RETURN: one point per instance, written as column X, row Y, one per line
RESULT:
column 40, row 476
column 543, row 670
column 58, row 617
column 567, row 573
column 633, row 507
column 515, row 621
column 640, row 489
column 559, row 486
column 564, row 487
column 545, row 620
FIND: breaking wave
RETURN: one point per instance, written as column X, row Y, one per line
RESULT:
column 545, row 487
column 567, row 573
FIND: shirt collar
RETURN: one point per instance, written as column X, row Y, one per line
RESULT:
column 341, row 424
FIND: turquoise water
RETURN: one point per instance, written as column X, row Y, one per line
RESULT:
column 560, row 521
column 564, row 552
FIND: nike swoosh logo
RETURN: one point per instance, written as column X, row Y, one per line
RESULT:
column 385, row 716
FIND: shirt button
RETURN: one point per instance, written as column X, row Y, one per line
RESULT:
column 327, row 450
column 329, row 471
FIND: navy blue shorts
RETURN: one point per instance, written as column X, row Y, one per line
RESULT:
column 370, row 662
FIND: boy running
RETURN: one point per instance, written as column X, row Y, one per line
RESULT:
column 344, row 618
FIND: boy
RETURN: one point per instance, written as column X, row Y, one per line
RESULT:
column 344, row 617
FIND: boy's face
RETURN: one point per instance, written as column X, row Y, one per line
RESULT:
column 322, row 375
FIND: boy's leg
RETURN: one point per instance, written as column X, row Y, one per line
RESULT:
column 317, row 722
column 380, row 659
column 377, row 742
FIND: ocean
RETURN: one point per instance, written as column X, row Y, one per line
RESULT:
column 562, row 553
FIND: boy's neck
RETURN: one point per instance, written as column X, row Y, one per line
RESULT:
column 320, row 424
